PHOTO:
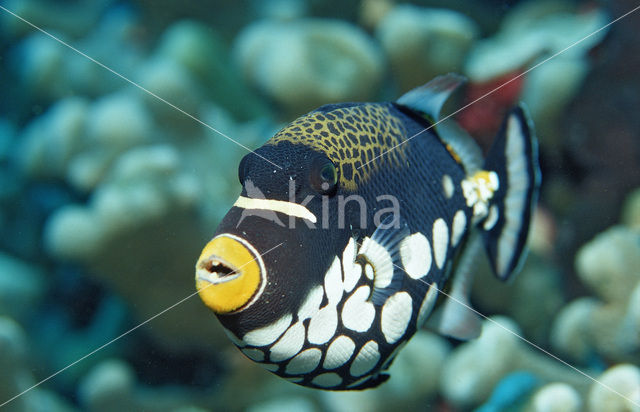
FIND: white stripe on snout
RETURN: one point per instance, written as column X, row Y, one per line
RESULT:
column 288, row 208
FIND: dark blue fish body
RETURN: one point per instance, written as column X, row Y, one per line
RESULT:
column 325, row 268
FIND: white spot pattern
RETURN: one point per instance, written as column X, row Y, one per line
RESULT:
column 323, row 325
column 232, row 336
column 447, row 186
column 253, row 354
column 268, row 334
column 440, row 241
column 304, row 362
column 352, row 271
column 289, row 344
column 311, row 304
column 327, row 380
column 357, row 312
column 333, row 282
column 395, row 317
column 427, row 304
column 366, row 359
column 458, row 227
column 339, row 352
column 415, row 254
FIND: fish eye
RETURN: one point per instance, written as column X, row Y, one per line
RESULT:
column 324, row 176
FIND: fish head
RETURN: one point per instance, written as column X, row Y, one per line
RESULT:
column 273, row 244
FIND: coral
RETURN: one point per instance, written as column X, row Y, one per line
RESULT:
column 475, row 367
column 556, row 397
column 144, row 167
column 21, row 286
column 510, row 391
column 531, row 30
column 112, row 386
column 16, row 376
column 52, row 15
column 285, row 404
column 49, row 70
column 196, row 48
column 421, row 43
column 609, row 324
column 631, row 210
column 304, row 63
column 538, row 285
column 623, row 379
column 530, row 33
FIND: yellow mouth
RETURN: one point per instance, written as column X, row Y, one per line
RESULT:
column 229, row 274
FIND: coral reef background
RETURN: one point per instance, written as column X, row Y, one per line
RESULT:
column 116, row 164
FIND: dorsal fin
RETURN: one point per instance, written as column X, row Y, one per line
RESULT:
column 429, row 98
column 427, row 101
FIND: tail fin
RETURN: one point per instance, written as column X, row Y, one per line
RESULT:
column 514, row 158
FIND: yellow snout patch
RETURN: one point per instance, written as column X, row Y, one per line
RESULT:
column 229, row 274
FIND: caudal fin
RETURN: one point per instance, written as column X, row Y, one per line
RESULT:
column 514, row 158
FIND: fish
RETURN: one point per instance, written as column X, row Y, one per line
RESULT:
column 360, row 223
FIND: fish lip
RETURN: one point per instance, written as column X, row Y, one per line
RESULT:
column 216, row 270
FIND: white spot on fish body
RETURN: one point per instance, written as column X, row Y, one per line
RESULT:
column 304, row 362
column 311, row 303
column 415, row 254
column 322, row 325
column 447, row 186
column 440, row 241
column 327, row 380
column 268, row 334
column 358, row 313
column 253, row 354
column 339, row 352
column 458, row 227
column 395, row 317
column 333, row 282
column 366, row 359
column 352, row 271
column 289, row 344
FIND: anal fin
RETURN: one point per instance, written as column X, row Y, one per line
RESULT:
column 455, row 317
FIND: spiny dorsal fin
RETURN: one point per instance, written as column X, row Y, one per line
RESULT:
column 429, row 98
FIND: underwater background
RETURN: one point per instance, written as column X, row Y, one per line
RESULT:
column 116, row 166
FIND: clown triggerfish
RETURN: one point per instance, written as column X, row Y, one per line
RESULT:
column 356, row 221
